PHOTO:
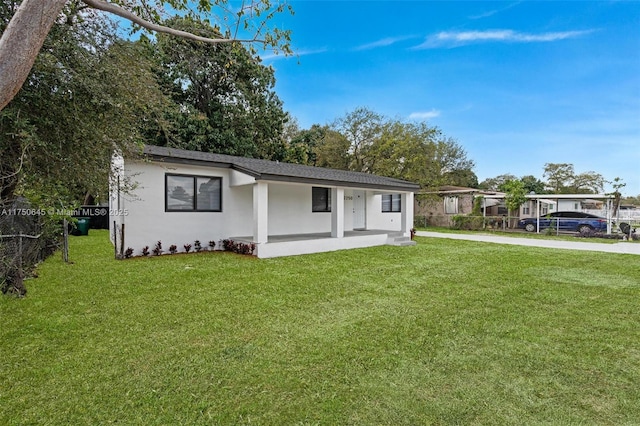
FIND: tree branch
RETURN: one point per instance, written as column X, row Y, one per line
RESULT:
column 123, row 13
column 15, row 173
column 24, row 36
column 21, row 41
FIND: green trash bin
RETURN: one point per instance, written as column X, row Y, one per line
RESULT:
column 83, row 226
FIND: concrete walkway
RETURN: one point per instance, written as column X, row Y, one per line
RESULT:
column 620, row 247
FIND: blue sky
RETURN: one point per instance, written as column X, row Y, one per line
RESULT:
column 517, row 84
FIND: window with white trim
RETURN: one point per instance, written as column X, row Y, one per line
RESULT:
column 187, row 193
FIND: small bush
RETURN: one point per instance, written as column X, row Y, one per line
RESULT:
column 467, row 222
column 145, row 251
column 238, row 247
column 173, row 249
column 128, row 253
column 593, row 234
column 158, row 248
column 187, row 247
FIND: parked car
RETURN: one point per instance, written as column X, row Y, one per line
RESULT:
column 566, row 221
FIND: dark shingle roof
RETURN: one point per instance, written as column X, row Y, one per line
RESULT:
column 276, row 171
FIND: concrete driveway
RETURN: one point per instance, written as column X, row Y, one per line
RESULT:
column 622, row 247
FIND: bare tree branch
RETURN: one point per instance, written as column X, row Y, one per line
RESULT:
column 123, row 13
column 16, row 172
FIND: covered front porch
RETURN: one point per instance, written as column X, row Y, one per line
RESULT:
column 293, row 244
column 284, row 223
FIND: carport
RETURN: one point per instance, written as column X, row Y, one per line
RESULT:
column 554, row 200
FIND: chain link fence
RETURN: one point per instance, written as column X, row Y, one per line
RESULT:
column 467, row 222
column 26, row 238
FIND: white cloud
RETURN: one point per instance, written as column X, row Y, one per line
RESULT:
column 461, row 38
column 424, row 115
column 296, row 54
column 383, row 42
column 494, row 11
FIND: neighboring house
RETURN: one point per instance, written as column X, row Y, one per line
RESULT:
column 437, row 208
column 284, row 209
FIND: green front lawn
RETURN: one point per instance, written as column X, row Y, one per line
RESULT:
column 516, row 233
column 445, row 332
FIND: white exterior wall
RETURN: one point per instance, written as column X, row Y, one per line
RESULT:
column 378, row 220
column 348, row 210
column 289, row 211
column 291, row 248
column 569, row 205
column 147, row 222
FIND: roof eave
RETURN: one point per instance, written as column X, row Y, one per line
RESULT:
column 340, row 183
column 176, row 159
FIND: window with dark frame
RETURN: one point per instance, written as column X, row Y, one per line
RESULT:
column 320, row 199
column 188, row 193
column 391, row 203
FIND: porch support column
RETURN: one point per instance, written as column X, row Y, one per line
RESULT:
column 260, row 211
column 337, row 212
column 407, row 213
column 609, row 217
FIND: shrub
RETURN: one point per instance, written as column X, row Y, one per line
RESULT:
column 238, row 247
column 128, row 253
column 467, row 222
column 590, row 233
column 187, row 247
column 158, row 248
column 197, row 246
column 145, row 251
column 173, row 249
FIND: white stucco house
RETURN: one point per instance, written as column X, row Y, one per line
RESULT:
column 285, row 209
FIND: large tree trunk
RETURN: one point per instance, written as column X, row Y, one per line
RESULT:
column 21, row 42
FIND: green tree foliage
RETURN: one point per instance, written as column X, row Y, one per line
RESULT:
column 83, row 99
column 532, row 184
column 562, row 179
column 455, row 168
column 515, row 194
column 30, row 21
column 617, row 185
column 319, row 146
column 405, row 151
column 635, row 201
column 225, row 97
column 497, row 183
column 332, row 150
column 366, row 141
column 587, row 183
column 464, row 177
column 559, row 176
column 362, row 128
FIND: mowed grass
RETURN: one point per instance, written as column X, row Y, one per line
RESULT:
column 445, row 332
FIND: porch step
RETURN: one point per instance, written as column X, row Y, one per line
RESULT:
column 399, row 240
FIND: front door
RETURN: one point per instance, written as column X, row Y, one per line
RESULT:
column 359, row 210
